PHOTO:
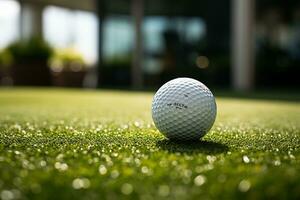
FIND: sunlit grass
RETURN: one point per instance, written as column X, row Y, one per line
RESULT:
column 63, row 144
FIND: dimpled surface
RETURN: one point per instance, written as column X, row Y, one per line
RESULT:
column 183, row 109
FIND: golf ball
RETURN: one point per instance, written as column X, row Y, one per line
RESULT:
column 184, row 109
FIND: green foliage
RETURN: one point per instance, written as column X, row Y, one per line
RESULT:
column 6, row 59
column 30, row 50
column 119, row 62
column 103, row 145
column 68, row 56
column 67, row 59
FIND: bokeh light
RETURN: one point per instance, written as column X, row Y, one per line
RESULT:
column 202, row 62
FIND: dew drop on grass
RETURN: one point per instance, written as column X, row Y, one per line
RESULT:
column 292, row 156
column 246, row 159
column 126, row 188
column 115, row 174
column 125, row 126
column 211, row 159
column 7, row 195
column 81, row 183
column 244, row 185
column 137, row 124
column 95, row 159
column 61, row 166
column 144, row 170
column 60, row 156
column 114, row 155
column 277, row 162
column 187, row 173
column 102, row 170
column 199, row 180
column 174, row 162
column 137, row 162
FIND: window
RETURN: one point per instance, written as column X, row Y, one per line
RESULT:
column 9, row 22
column 64, row 28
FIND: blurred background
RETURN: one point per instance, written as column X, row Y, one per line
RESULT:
column 141, row 44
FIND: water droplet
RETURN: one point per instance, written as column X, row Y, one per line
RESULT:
column 137, row 124
column 81, row 183
column 211, row 159
column 137, row 162
column 187, row 173
column 114, row 155
column 199, row 180
column 126, row 189
column 60, row 156
column 43, row 163
column 61, row 166
column 115, row 174
column 144, row 170
column 292, row 156
column 277, row 162
column 246, row 159
column 244, row 185
column 7, row 195
column 102, row 170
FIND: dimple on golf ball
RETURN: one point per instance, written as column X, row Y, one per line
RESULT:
column 184, row 109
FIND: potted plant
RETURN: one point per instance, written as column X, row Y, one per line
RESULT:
column 68, row 68
column 30, row 62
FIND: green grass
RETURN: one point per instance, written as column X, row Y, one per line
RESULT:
column 69, row 144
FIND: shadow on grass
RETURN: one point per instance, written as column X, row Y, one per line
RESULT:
column 201, row 146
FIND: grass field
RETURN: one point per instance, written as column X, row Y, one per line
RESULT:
column 71, row 144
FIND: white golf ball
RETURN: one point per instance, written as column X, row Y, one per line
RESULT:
column 184, row 109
